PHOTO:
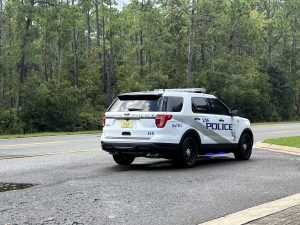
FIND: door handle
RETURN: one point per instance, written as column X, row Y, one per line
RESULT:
column 196, row 118
column 221, row 120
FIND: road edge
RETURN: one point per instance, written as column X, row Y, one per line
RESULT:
column 256, row 212
column 277, row 148
column 266, row 209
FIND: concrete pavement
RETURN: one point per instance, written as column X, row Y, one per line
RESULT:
column 281, row 212
column 284, row 211
column 74, row 187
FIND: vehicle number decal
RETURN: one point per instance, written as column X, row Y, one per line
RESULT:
column 150, row 133
column 179, row 125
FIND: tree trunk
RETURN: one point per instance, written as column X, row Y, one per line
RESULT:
column 46, row 58
column 141, row 53
column 104, row 52
column 74, row 52
column 191, row 46
column 111, row 71
column 60, row 51
column 203, row 58
column 25, row 41
column 51, row 70
column 294, row 48
column 97, row 26
column 294, row 60
column 1, row 54
column 59, row 63
column 101, row 55
column 23, row 48
column 141, row 45
column 88, row 24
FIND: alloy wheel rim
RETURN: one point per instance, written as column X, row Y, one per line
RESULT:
column 190, row 152
column 245, row 144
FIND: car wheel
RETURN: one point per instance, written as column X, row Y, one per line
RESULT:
column 123, row 160
column 244, row 148
column 188, row 152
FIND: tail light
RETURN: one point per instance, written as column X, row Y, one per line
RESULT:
column 103, row 120
column 161, row 120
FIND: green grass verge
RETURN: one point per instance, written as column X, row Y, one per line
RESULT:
column 285, row 141
column 42, row 134
column 270, row 123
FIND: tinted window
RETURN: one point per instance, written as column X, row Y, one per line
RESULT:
column 218, row 107
column 136, row 105
column 200, row 105
column 161, row 104
column 174, row 104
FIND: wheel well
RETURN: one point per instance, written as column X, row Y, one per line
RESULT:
column 248, row 131
column 192, row 133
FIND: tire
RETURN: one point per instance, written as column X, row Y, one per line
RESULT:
column 245, row 147
column 123, row 160
column 188, row 153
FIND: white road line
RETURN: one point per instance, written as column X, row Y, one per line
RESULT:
column 47, row 154
column 48, row 142
column 256, row 212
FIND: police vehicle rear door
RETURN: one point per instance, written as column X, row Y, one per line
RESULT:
column 221, row 123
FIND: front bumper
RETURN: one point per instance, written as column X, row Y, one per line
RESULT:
column 151, row 150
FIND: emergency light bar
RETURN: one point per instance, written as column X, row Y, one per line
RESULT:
column 194, row 90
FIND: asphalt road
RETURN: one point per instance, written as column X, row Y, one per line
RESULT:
column 77, row 183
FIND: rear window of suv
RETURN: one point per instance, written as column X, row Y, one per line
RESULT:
column 147, row 104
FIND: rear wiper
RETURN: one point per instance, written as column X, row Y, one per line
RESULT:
column 135, row 109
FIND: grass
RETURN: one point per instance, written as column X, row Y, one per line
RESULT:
column 42, row 134
column 270, row 123
column 286, row 141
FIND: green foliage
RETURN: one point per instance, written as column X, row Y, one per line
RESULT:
column 10, row 122
column 245, row 51
column 54, row 106
column 49, row 106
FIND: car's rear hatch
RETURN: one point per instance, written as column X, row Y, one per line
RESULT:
column 132, row 116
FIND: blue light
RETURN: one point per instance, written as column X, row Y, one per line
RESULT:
column 209, row 154
column 221, row 153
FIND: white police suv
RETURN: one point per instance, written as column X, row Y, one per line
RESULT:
column 180, row 124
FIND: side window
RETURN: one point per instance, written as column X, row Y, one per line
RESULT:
column 174, row 104
column 200, row 105
column 218, row 107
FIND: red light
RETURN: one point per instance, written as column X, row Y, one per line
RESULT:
column 103, row 120
column 161, row 120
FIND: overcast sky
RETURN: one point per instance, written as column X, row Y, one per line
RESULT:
column 122, row 3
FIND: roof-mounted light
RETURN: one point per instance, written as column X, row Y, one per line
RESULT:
column 194, row 90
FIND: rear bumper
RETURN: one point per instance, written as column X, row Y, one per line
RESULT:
column 151, row 150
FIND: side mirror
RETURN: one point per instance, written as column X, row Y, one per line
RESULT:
column 234, row 113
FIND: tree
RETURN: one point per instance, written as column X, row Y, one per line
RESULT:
column 87, row 51
column 191, row 44
column 1, row 55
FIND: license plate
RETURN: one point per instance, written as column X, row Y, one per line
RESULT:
column 126, row 123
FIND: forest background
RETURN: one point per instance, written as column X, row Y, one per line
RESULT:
column 62, row 62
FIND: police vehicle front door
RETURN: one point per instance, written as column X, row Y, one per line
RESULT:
column 221, row 123
column 202, row 116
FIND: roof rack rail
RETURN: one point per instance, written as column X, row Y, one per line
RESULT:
column 193, row 90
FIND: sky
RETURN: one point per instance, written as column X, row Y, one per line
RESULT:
column 122, row 3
